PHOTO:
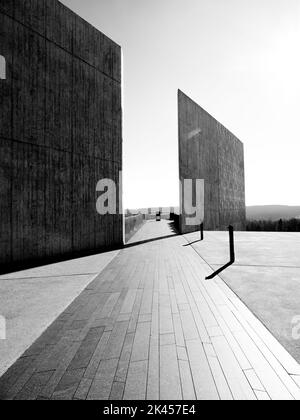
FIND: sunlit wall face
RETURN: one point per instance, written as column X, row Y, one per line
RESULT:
column 211, row 170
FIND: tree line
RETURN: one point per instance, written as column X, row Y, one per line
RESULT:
column 291, row 225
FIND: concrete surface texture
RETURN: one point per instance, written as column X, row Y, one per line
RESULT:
column 266, row 277
column 132, row 225
column 60, row 132
column 31, row 300
column 209, row 152
column 150, row 327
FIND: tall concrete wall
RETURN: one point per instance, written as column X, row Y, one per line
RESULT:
column 208, row 151
column 60, row 132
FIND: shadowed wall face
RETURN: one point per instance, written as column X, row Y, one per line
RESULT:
column 60, row 132
column 209, row 152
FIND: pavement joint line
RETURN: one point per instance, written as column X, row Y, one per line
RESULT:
column 50, row 277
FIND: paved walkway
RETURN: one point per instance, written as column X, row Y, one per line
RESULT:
column 31, row 300
column 266, row 277
column 150, row 327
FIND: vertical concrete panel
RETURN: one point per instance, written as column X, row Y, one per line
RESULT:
column 7, row 7
column 32, row 14
column 58, row 99
column 84, row 206
column 84, row 41
column 208, row 151
column 6, row 50
column 83, row 108
column 58, row 203
column 28, row 204
column 61, row 124
column 29, row 68
column 232, row 182
column 5, row 202
column 100, row 221
column 107, row 126
column 116, row 124
column 99, row 113
column 59, row 24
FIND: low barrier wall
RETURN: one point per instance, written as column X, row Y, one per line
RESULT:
column 132, row 225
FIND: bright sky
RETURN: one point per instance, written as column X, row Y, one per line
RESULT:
column 239, row 59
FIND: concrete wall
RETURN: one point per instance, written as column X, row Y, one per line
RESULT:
column 208, row 151
column 132, row 225
column 60, row 132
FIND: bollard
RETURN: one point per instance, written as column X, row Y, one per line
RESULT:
column 232, row 254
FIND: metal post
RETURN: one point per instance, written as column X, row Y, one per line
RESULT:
column 232, row 255
column 202, row 231
column 231, row 242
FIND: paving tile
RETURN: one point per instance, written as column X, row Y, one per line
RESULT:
column 68, row 385
column 235, row 377
column 218, row 374
column 9, row 379
column 124, row 317
column 115, row 343
column 188, row 391
column 83, row 389
column 203, row 380
column 155, row 316
column 135, row 388
column 63, row 365
column 32, row 388
column 117, row 391
column 179, row 337
column 262, row 396
column 189, row 327
column 146, row 304
column 140, row 350
column 254, row 380
column 170, row 386
column 145, row 318
column 128, row 302
column 153, row 371
column 135, row 312
column 122, row 370
column 85, row 352
column 102, row 384
column 165, row 315
column 97, row 356
column 166, row 339
column 56, row 354
column 182, row 353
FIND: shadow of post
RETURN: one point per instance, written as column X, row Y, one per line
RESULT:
column 232, row 255
column 201, row 236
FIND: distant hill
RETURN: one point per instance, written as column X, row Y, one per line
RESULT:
column 272, row 212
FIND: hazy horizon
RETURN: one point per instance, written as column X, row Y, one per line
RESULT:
column 238, row 59
column 166, row 207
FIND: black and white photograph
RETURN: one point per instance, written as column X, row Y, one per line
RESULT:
column 149, row 203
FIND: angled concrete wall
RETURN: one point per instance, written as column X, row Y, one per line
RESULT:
column 208, row 151
column 60, row 132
